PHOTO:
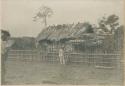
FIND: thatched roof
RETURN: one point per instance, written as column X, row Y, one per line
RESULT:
column 65, row 31
column 77, row 34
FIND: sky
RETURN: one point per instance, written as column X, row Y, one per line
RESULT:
column 17, row 15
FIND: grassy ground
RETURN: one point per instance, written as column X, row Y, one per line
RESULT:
column 19, row 72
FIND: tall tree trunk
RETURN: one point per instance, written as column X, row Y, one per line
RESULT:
column 45, row 21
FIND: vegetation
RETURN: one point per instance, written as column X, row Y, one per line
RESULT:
column 44, row 13
column 109, row 24
column 23, row 43
column 119, row 38
column 89, row 27
column 5, row 35
column 110, row 40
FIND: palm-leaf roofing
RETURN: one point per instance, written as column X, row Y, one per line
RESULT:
column 65, row 31
column 74, row 33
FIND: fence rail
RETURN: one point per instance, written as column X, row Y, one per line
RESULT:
column 91, row 58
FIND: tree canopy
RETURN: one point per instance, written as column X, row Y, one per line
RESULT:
column 109, row 24
column 4, row 35
column 44, row 13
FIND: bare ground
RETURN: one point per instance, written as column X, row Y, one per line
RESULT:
column 20, row 73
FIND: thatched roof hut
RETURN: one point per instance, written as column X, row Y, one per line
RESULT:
column 65, row 31
column 81, row 35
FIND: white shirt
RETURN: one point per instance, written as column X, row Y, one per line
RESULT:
column 61, row 52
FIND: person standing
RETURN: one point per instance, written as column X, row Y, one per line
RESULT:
column 4, row 49
column 61, row 55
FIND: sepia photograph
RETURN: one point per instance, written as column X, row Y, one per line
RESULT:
column 62, row 42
